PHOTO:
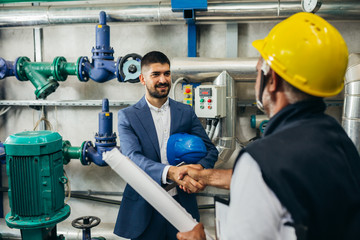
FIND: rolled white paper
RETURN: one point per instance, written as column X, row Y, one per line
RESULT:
column 151, row 191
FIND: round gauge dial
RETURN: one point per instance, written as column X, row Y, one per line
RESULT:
column 311, row 6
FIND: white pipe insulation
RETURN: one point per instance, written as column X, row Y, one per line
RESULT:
column 151, row 191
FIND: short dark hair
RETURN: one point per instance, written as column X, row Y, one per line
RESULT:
column 154, row 57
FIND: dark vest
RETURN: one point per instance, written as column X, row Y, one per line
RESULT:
column 312, row 166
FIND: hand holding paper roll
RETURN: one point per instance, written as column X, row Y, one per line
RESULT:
column 150, row 191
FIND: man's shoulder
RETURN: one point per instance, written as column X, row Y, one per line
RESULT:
column 132, row 108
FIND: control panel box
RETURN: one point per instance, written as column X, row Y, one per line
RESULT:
column 210, row 101
column 188, row 94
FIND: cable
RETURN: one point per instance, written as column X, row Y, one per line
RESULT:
column 3, row 111
column 214, row 124
column 174, row 86
column 208, row 126
column 68, row 187
column 43, row 118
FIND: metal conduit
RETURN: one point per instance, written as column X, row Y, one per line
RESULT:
column 351, row 113
column 158, row 13
column 207, row 69
column 226, row 145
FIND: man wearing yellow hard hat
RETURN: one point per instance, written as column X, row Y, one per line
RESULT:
column 302, row 179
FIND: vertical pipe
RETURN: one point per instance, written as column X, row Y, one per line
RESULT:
column 232, row 40
column 226, row 145
column 192, row 38
column 351, row 113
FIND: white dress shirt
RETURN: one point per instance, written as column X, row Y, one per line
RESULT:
column 254, row 213
column 162, row 119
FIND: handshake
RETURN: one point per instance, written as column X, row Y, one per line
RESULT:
column 191, row 178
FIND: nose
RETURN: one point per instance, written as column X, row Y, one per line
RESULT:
column 162, row 78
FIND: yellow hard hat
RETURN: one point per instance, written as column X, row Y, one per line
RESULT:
column 307, row 52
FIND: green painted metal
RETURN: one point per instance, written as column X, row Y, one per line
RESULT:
column 70, row 152
column 34, row 165
column 44, row 75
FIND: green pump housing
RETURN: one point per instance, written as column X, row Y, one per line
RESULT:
column 34, row 165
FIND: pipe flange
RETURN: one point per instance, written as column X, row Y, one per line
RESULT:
column 65, row 146
column 20, row 72
column 84, row 159
column 118, row 75
column 81, row 72
column 57, row 73
column 3, row 68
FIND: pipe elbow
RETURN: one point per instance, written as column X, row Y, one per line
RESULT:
column 95, row 155
column 100, row 75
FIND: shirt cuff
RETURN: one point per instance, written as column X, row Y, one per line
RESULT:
column 164, row 175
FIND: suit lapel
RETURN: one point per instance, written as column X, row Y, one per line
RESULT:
column 176, row 115
column 145, row 118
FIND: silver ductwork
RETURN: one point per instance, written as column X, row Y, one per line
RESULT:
column 207, row 69
column 227, row 140
column 159, row 13
column 221, row 72
column 351, row 113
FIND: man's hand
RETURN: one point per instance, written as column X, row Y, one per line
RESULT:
column 194, row 172
column 220, row 178
column 197, row 233
column 186, row 183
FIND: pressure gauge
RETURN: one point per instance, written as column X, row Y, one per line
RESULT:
column 311, row 6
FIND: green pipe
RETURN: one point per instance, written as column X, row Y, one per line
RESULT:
column 44, row 75
column 71, row 68
column 70, row 152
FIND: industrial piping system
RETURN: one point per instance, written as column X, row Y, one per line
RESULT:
column 160, row 13
column 226, row 142
column 105, row 141
column 45, row 76
column 351, row 113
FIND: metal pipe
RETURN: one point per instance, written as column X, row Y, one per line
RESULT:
column 351, row 113
column 226, row 144
column 207, row 69
column 160, row 13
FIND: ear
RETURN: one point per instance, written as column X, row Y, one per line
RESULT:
column 273, row 82
column 142, row 79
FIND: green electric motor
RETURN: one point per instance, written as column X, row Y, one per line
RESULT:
column 34, row 165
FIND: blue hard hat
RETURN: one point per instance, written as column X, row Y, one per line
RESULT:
column 184, row 147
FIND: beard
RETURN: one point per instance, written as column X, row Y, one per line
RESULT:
column 154, row 92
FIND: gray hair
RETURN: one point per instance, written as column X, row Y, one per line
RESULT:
column 293, row 94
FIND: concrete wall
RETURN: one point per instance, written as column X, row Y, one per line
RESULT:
column 78, row 124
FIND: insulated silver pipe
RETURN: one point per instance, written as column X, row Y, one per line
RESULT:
column 207, row 69
column 226, row 144
column 160, row 13
column 351, row 113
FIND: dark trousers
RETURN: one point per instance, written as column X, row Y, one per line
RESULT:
column 159, row 228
